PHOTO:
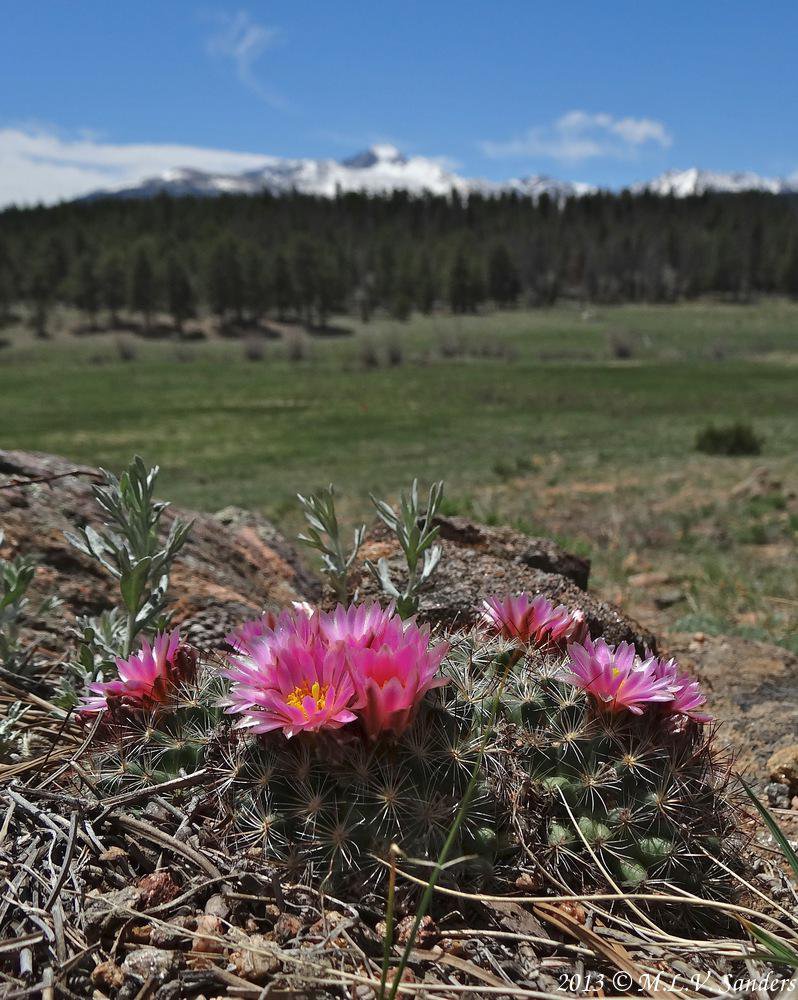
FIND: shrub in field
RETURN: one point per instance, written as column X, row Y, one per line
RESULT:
column 394, row 353
column 369, row 356
column 126, row 349
column 621, row 346
column 253, row 349
column 729, row 439
column 296, row 347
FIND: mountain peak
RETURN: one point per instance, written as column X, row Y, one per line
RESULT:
column 695, row 181
column 381, row 152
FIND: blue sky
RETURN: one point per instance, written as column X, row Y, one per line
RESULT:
column 606, row 92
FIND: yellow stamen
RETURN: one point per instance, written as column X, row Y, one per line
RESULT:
column 316, row 691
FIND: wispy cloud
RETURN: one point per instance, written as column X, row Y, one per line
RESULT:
column 243, row 41
column 581, row 135
column 39, row 164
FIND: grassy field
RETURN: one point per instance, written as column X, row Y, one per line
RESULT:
column 577, row 423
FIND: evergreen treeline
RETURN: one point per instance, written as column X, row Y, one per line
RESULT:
column 244, row 258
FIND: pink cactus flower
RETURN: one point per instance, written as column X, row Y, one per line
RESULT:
column 261, row 645
column 306, row 688
column 247, row 634
column 146, row 678
column 325, row 670
column 361, row 625
column 536, row 622
column 616, row 676
column 392, row 678
column 688, row 698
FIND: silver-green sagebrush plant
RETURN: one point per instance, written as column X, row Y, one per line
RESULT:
column 324, row 535
column 416, row 533
column 16, row 576
column 16, row 656
column 131, row 548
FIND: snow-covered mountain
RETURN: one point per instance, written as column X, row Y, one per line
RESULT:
column 535, row 185
column 382, row 168
column 685, row 183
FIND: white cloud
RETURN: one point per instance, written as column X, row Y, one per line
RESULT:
column 243, row 41
column 580, row 135
column 39, row 165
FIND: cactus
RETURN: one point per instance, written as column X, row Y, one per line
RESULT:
column 596, row 796
column 158, row 742
column 326, row 806
column 649, row 799
column 332, row 807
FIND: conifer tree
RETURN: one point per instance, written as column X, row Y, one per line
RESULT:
column 142, row 287
column 6, row 287
column 426, row 286
column 328, row 287
column 283, row 287
column 504, row 284
column 256, row 285
column 466, row 283
column 86, row 290
column 404, row 290
column 789, row 273
column 365, row 297
column 56, row 264
column 386, row 273
column 235, row 277
column 225, row 282
column 459, row 284
column 306, row 278
column 40, row 297
column 112, row 286
column 179, row 292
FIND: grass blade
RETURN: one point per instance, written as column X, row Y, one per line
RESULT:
column 775, row 949
column 789, row 854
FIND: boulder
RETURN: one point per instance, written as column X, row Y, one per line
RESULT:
column 479, row 561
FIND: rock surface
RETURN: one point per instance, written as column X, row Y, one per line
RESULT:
column 783, row 767
column 752, row 688
column 479, row 561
